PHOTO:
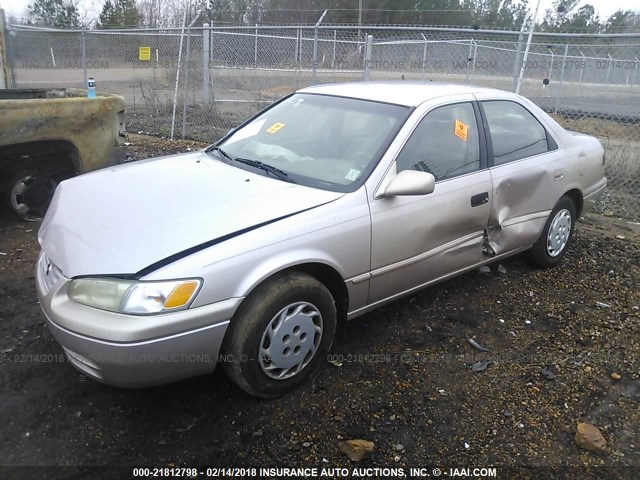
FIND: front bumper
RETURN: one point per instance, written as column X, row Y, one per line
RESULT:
column 142, row 364
column 130, row 350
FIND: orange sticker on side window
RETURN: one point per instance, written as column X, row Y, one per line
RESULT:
column 275, row 127
column 461, row 130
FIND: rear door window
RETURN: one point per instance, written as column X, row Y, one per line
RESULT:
column 515, row 132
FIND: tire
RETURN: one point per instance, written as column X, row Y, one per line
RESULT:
column 29, row 194
column 546, row 253
column 288, row 320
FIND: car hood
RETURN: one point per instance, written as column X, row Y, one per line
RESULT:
column 124, row 219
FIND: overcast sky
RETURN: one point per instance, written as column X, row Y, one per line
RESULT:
column 604, row 8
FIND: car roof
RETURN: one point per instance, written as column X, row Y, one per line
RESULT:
column 407, row 93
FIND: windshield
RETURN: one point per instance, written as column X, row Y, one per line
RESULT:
column 317, row 140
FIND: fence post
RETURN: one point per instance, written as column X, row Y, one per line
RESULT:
column 175, row 90
column 84, row 57
column 298, row 58
column 469, row 59
column 255, row 49
column 424, row 55
column 473, row 62
column 296, row 52
column 367, row 58
column 518, row 62
column 582, row 67
column 333, row 58
column 528, row 46
column 298, row 49
column 314, row 59
column 553, row 58
column 206, row 58
column 561, row 89
column 186, row 76
column 315, row 47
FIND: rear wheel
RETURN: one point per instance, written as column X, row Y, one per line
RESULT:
column 280, row 335
column 556, row 235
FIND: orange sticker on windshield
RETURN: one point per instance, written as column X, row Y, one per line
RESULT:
column 275, row 127
column 461, row 130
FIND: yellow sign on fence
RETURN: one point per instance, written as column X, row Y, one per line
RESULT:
column 144, row 53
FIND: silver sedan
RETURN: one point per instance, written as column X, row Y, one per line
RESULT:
column 330, row 203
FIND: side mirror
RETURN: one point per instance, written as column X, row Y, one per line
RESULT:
column 410, row 182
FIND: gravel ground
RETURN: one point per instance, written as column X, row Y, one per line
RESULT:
column 400, row 376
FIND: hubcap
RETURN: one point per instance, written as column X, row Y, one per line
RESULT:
column 559, row 232
column 30, row 196
column 290, row 340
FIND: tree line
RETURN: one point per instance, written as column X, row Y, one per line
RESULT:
column 563, row 16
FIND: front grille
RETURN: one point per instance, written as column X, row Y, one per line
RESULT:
column 49, row 274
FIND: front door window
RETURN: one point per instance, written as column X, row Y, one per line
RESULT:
column 445, row 143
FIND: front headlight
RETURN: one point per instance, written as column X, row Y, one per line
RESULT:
column 138, row 298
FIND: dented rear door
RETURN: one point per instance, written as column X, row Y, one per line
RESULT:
column 528, row 173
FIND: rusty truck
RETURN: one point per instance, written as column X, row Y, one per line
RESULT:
column 49, row 135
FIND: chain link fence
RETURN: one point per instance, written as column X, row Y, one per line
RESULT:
column 200, row 82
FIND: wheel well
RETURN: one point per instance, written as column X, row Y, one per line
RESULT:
column 331, row 279
column 50, row 154
column 576, row 197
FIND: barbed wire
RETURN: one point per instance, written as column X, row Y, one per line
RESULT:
column 364, row 10
column 417, row 26
column 93, row 23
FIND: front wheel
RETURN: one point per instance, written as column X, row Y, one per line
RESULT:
column 29, row 196
column 29, row 193
column 556, row 235
column 280, row 335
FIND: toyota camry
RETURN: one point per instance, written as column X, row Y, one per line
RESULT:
column 329, row 203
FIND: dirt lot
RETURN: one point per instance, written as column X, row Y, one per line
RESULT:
column 400, row 376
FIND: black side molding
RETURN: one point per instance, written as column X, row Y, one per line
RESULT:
column 184, row 253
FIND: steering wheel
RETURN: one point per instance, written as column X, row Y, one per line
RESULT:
column 424, row 166
column 267, row 151
column 284, row 155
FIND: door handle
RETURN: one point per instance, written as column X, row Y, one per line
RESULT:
column 479, row 199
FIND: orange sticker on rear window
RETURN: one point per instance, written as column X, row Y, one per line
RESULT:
column 461, row 130
column 275, row 127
